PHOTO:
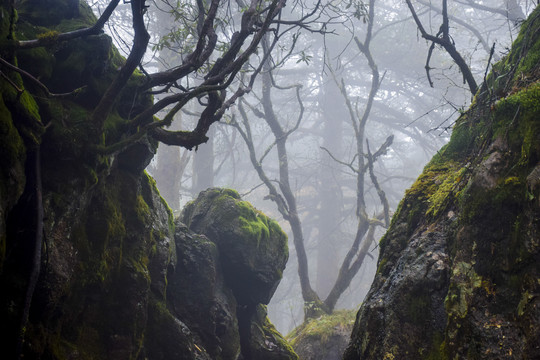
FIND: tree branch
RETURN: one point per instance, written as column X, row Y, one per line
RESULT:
column 443, row 39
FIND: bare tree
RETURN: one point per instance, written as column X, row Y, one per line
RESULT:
column 443, row 39
column 283, row 194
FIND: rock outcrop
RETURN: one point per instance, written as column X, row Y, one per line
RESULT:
column 459, row 268
column 116, row 276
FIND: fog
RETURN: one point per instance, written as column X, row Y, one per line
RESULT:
column 333, row 79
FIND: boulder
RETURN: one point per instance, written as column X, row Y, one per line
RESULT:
column 253, row 247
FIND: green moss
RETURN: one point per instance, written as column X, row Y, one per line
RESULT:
column 255, row 225
column 438, row 349
column 382, row 263
column 447, row 189
column 435, row 189
column 464, row 281
column 85, row 19
column 321, row 329
column 263, row 332
column 520, row 112
column 12, row 151
column 142, row 209
column 114, row 126
column 48, row 37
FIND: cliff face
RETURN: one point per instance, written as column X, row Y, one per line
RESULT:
column 117, row 278
column 459, row 268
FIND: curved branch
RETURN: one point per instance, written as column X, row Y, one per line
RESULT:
column 34, row 80
column 443, row 39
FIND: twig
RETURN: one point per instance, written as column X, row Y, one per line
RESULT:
column 34, row 80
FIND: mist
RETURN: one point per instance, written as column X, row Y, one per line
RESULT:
column 340, row 120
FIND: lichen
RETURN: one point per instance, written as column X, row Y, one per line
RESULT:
column 463, row 283
column 48, row 37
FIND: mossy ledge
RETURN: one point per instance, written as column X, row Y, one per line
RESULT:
column 459, row 263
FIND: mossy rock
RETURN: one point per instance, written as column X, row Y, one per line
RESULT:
column 253, row 247
column 323, row 338
column 12, row 176
column 266, row 343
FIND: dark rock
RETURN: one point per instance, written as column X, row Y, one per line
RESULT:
column 198, row 295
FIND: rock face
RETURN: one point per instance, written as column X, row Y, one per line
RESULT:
column 459, row 268
column 117, row 277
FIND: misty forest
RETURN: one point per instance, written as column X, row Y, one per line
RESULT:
column 269, row 179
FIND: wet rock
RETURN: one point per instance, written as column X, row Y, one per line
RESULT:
column 253, row 247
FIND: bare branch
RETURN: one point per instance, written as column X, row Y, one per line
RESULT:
column 380, row 192
column 443, row 39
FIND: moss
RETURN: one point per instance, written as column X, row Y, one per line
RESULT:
column 24, row 108
column 321, row 329
column 464, row 281
column 151, row 182
column 39, row 61
column 435, row 189
column 445, row 191
column 85, row 18
column 48, row 37
column 382, row 263
column 525, row 54
column 12, row 152
column 520, row 112
column 142, row 209
column 113, row 127
column 266, row 341
column 523, row 303
column 438, row 349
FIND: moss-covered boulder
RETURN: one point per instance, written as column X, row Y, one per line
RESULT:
column 323, row 338
column 459, row 268
column 253, row 247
